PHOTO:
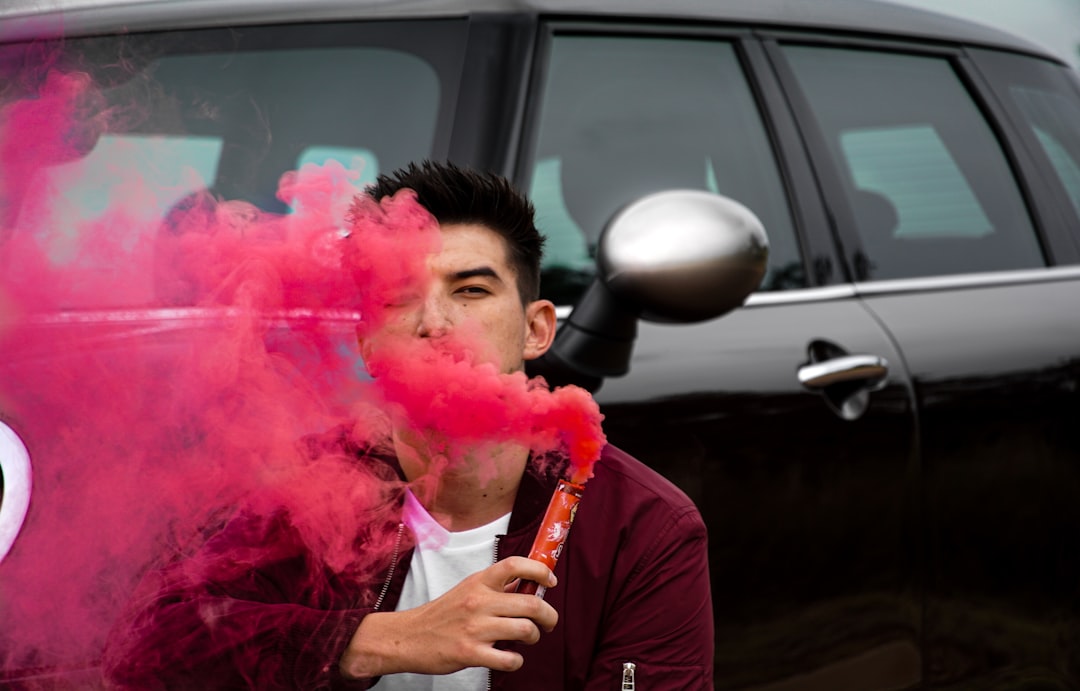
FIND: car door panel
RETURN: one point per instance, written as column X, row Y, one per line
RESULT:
column 996, row 369
column 927, row 184
column 813, row 538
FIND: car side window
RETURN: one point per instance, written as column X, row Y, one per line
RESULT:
column 1045, row 98
column 928, row 184
column 623, row 116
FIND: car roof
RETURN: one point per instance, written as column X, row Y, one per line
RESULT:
column 20, row 19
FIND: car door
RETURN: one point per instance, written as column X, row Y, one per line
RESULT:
column 960, row 231
column 809, row 490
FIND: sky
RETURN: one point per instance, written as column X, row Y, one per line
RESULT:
column 1054, row 24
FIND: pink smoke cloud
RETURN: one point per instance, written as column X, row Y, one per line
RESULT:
column 205, row 346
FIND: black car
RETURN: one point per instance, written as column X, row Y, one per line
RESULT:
column 883, row 439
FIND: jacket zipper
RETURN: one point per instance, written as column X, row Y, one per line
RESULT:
column 494, row 560
column 393, row 566
column 628, row 681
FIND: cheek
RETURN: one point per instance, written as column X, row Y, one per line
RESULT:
column 388, row 338
column 510, row 341
column 398, row 320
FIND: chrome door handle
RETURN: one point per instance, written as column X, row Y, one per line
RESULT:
column 847, row 368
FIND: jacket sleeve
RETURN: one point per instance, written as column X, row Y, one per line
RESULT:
column 229, row 618
column 663, row 623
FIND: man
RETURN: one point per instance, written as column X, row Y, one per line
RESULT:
column 629, row 599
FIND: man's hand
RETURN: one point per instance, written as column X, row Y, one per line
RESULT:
column 457, row 630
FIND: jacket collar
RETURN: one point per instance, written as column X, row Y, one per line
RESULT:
column 533, row 496
column 534, row 492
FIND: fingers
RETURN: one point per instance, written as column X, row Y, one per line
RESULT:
column 523, row 609
column 492, row 629
column 501, row 660
column 504, row 572
column 458, row 629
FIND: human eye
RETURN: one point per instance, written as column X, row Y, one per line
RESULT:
column 473, row 291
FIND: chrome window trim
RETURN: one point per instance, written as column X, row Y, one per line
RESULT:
column 961, row 281
column 15, row 465
column 800, row 295
column 777, row 297
column 899, row 286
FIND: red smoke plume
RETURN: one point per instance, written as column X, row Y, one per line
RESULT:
column 162, row 371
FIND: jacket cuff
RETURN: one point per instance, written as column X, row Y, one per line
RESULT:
column 318, row 647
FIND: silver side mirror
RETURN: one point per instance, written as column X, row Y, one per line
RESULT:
column 683, row 256
column 678, row 256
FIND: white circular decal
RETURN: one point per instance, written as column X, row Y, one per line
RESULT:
column 15, row 500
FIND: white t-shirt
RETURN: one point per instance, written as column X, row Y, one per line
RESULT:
column 440, row 561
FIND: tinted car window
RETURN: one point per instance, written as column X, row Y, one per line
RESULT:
column 222, row 114
column 929, row 186
column 625, row 116
column 1043, row 97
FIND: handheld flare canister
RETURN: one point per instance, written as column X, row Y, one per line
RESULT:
column 551, row 536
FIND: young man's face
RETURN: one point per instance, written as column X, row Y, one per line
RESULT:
column 472, row 299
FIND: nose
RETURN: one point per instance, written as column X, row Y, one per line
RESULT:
column 434, row 319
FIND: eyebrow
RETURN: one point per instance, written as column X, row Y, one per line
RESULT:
column 478, row 271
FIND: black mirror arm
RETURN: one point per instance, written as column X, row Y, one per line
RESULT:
column 595, row 342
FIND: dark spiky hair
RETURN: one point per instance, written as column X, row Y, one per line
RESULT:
column 462, row 195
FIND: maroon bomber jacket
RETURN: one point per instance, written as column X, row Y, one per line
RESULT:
column 633, row 590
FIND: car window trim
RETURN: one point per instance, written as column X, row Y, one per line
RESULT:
column 900, row 286
column 987, row 279
column 821, row 263
column 1017, row 155
column 841, row 219
column 776, row 297
column 1048, row 191
column 493, row 90
column 925, row 47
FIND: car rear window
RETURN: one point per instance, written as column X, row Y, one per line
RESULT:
column 225, row 113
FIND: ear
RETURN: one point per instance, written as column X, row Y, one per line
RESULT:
column 540, row 322
column 364, row 344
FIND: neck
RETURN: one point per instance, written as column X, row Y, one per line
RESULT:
column 462, row 488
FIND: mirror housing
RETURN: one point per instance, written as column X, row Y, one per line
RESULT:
column 678, row 256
